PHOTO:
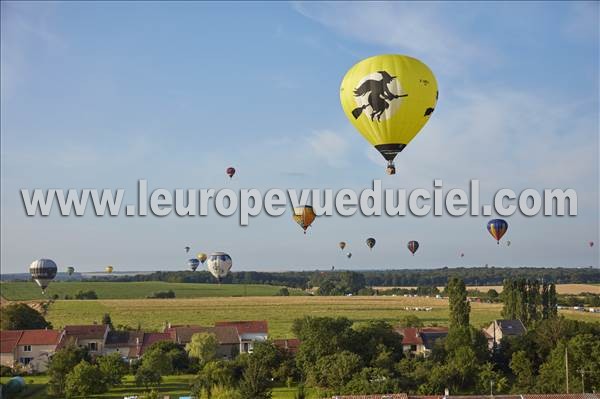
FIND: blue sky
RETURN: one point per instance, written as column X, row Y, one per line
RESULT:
column 99, row 95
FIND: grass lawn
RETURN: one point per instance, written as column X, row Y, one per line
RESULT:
column 26, row 291
column 173, row 385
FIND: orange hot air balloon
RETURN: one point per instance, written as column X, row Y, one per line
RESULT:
column 304, row 216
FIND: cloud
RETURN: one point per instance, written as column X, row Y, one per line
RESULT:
column 329, row 146
column 419, row 29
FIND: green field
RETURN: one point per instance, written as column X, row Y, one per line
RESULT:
column 279, row 311
column 26, row 291
column 174, row 385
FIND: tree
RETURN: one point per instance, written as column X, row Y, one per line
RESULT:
column 107, row 321
column 522, row 369
column 18, row 316
column 380, row 346
column 60, row 365
column 411, row 321
column 214, row 374
column 459, row 306
column 176, row 354
column 147, row 377
column 255, row 381
column 85, row 379
column 283, row 291
column 492, row 295
column 335, row 371
column 203, row 346
column 113, row 368
column 155, row 364
column 322, row 336
column 488, row 378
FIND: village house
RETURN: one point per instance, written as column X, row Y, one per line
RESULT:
column 92, row 337
column 420, row 341
column 28, row 348
column 499, row 329
column 127, row 343
column 248, row 332
column 227, row 336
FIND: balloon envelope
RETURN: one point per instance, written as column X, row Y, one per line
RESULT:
column 349, row 255
column 70, row 270
column 497, row 228
column 371, row 242
column 304, row 216
column 201, row 256
column 342, row 245
column 413, row 246
column 187, row 249
column 108, row 269
column 230, row 172
column 43, row 271
column 389, row 98
column 219, row 264
column 193, row 264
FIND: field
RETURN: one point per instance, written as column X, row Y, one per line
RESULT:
column 26, row 291
column 572, row 289
column 280, row 312
column 174, row 385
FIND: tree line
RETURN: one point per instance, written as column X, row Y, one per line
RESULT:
column 389, row 278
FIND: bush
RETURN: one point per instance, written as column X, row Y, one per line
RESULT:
column 86, row 295
column 283, row 292
column 5, row 371
column 162, row 294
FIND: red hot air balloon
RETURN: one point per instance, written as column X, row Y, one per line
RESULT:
column 230, row 171
column 413, row 246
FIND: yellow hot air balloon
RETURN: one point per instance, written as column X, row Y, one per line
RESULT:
column 108, row 269
column 389, row 98
column 304, row 216
column 201, row 256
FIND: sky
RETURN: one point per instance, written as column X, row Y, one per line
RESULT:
column 102, row 94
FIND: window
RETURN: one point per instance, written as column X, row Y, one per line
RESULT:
column 25, row 360
column 93, row 346
column 26, row 348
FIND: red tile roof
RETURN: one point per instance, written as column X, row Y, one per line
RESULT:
column 151, row 338
column 246, row 327
column 382, row 396
column 410, row 336
column 40, row 337
column 183, row 334
column 9, row 340
column 91, row 331
column 291, row 344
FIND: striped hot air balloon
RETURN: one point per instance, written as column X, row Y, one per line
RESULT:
column 497, row 228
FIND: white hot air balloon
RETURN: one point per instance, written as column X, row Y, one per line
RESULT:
column 43, row 271
column 219, row 264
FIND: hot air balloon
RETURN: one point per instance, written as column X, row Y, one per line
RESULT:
column 413, row 246
column 304, row 216
column 187, row 249
column 342, row 245
column 193, row 264
column 591, row 244
column 497, row 228
column 349, row 255
column 201, row 256
column 462, row 255
column 230, row 172
column 43, row 271
column 108, row 269
column 219, row 264
column 508, row 243
column 70, row 270
column 370, row 242
column 389, row 98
